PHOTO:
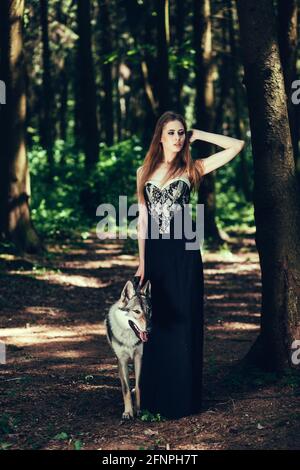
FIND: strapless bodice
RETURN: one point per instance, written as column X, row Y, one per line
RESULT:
column 164, row 201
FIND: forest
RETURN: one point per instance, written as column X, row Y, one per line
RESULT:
column 82, row 84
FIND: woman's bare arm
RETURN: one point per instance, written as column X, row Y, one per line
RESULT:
column 142, row 224
column 231, row 145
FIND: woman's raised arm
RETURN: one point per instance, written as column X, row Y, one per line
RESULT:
column 231, row 145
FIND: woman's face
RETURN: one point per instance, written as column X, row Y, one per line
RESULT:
column 173, row 136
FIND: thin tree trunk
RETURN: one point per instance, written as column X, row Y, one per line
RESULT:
column 64, row 86
column 47, row 121
column 87, row 91
column 243, row 173
column 180, row 13
column 106, row 110
column 162, row 89
column 224, row 75
column 204, row 102
column 63, row 83
column 145, row 116
column 15, row 221
column 276, row 190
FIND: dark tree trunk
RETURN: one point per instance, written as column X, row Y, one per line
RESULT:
column 162, row 88
column 276, row 191
column 242, row 177
column 146, row 113
column 47, row 121
column 288, row 41
column 106, row 111
column 64, row 86
column 204, row 103
column 15, row 221
column 63, row 83
column 181, row 12
column 87, row 90
column 223, row 86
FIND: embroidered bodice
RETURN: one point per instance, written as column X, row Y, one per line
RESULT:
column 164, row 201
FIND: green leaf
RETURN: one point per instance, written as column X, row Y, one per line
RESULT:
column 5, row 445
column 78, row 445
column 62, row 436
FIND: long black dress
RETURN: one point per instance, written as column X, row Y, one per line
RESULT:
column 171, row 375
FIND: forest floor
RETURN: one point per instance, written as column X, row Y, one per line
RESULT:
column 60, row 387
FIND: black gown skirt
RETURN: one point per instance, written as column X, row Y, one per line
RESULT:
column 171, row 374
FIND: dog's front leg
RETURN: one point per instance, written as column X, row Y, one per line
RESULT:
column 137, row 373
column 124, row 377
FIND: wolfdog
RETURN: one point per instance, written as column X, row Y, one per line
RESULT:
column 127, row 327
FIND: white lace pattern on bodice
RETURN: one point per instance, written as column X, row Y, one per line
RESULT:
column 163, row 201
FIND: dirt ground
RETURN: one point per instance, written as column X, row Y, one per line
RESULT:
column 60, row 387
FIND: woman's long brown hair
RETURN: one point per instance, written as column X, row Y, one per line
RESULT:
column 182, row 163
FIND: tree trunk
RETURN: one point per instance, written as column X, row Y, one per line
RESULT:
column 180, row 15
column 288, row 40
column 162, row 88
column 223, row 87
column 87, row 91
column 276, row 190
column 15, row 221
column 145, row 114
column 47, row 121
column 106, row 108
column 62, row 84
column 242, row 176
column 204, row 103
column 64, row 87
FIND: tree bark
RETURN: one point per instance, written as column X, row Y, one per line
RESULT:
column 47, row 121
column 276, row 190
column 242, row 176
column 145, row 112
column 87, row 91
column 63, row 84
column 106, row 108
column 162, row 88
column 180, row 15
column 204, row 115
column 288, row 41
column 15, row 221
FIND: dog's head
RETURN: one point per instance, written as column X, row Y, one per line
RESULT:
column 135, row 304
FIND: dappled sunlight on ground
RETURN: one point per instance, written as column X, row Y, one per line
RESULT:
column 61, row 375
column 44, row 334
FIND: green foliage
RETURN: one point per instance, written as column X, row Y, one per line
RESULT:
column 78, row 445
column 5, row 424
column 62, row 436
column 233, row 210
column 5, row 445
column 147, row 416
column 66, row 206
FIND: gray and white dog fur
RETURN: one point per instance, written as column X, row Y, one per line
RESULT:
column 127, row 326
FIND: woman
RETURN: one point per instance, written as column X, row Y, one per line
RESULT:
column 171, row 374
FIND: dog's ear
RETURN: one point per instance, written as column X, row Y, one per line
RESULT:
column 146, row 289
column 126, row 294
